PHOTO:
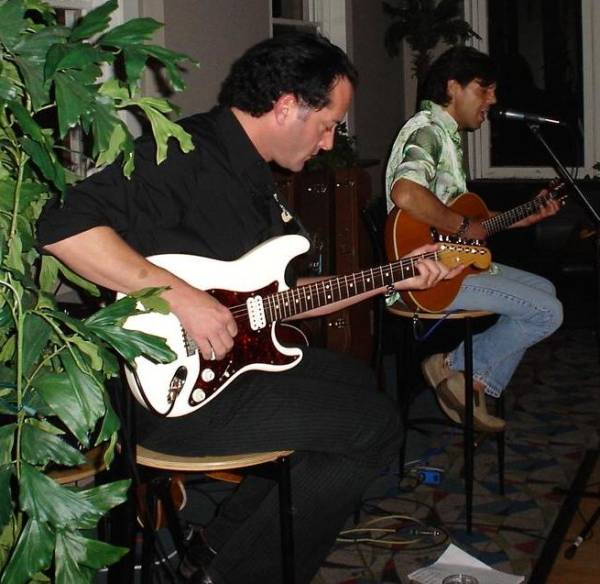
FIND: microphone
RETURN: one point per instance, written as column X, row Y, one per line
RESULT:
column 508, row 114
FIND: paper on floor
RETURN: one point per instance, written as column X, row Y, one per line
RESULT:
column 456, row 561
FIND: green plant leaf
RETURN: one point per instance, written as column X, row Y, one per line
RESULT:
column 48, row 273
column 7, row 437
column 93, row 22
column 36, row 333
column 79, row 56
column 46, row 426
column 43, row 8
column 12, row 22
column 46, row 501
column 57, row 391
column 32, row 554
column 8, row 90
column 86, row 285
column 78, row 558
column 7, row 350
column 6, row 504
column 73, row 101
column 131, row 344
column 89, row 390
column 39, row 448
column 33, row 76
column 114, row 313
column 102, row 499
column 46, row 162
column 117, row 142
column 104, row 124
column 170, row 60
column 114, row 89
column 30, row 191
column 90, row 349
column 14, row 259
column 35, row 46
column 9, row 536
column 163, row 128
column 132, row 32
column 110, row 424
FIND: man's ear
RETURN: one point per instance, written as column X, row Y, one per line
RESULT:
column 452, row 86
column 284, row 106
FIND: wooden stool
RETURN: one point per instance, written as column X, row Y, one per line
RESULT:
column 466, row 316
column 94, row 463
column 211, row 464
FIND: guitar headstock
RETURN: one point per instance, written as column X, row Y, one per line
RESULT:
column 555, row 190
column 456, row 254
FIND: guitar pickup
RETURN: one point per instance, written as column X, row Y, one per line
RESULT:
column 256, row 313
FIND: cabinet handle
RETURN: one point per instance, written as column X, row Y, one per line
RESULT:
column 338, row 323
column 346, row 183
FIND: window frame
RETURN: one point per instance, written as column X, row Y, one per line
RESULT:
column 478, row 143
column 328, row 17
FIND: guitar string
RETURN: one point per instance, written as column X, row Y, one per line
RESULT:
column 499, row 222
column 240, row 311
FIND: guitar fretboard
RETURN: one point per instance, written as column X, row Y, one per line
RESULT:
column 504, row 220
column 310, row 296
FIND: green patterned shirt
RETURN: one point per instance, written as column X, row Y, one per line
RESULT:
column 428, row 151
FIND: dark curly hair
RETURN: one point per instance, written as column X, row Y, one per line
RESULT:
column 303, row 64
column 463, row 64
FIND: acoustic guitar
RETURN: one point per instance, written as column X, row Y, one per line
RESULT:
column 254, row 289
column 404, row 233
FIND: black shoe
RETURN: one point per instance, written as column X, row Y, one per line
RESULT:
column 197, row 559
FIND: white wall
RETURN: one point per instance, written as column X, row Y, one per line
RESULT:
column 215, row 33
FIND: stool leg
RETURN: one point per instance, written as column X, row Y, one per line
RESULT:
column 164, row 493
column 500, row 444
column 404, row 357
column 468, row 437
column 123, row 528
column 285, row 515
column 148, row 534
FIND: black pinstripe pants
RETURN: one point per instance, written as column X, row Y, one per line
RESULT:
column 343, row 430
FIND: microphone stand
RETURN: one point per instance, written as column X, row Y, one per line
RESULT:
column 566, row 176
column 593, row 213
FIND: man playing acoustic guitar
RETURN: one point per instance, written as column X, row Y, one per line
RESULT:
column 424, row 175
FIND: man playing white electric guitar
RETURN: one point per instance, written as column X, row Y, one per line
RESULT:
column 281, row 102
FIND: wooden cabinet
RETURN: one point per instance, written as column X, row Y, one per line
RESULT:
column 329, row 204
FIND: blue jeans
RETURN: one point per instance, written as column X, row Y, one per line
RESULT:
column 529, row 312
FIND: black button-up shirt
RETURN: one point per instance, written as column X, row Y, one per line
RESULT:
column 216, row 201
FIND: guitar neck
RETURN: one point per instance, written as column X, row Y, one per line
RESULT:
column 324, row 292
column 504, row 220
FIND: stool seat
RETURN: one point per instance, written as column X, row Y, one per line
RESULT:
column 161, row 460
column 94, row 463
column 405, row 311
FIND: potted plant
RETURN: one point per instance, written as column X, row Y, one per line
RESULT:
column 423, row 24
column 53, row 401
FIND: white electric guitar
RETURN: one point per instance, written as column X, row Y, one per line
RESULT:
column 254, row 290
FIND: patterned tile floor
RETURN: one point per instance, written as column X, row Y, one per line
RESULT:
column 553, row 415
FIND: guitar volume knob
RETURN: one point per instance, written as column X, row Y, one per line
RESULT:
column 198, row 395
column 207, row 375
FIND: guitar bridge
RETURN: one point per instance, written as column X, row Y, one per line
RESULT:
column 437, row 237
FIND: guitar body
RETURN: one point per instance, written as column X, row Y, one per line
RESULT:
column 189, row 382
column 404, row 233
column 253, row 288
